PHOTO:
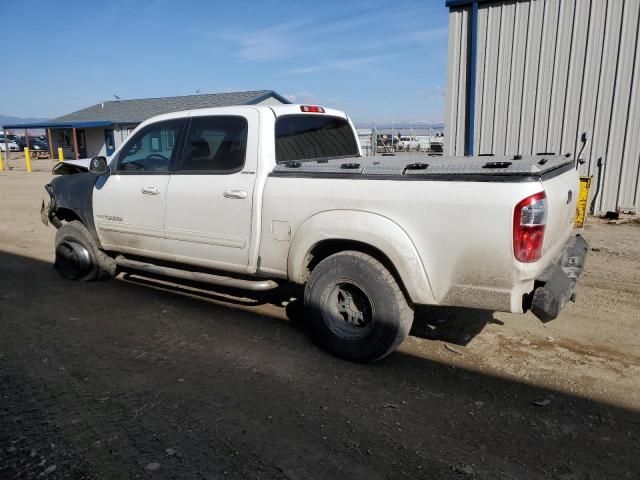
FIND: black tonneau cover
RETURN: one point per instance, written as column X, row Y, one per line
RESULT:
column 424, row 167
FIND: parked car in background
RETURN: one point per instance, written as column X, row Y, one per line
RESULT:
column 38, row 147
column 13, row 146
column 17, row 139
column 408, row 143
column 37, row 144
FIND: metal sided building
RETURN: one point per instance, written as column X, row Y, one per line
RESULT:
column 529, row 76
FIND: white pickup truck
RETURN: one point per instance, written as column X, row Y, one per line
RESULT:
column 251, row 197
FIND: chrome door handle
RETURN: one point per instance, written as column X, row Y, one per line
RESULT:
column 235, row 194
column 150, row 190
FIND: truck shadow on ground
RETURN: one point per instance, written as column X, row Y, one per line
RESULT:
column 451, row 324
column 448, row 324
column 127, row 378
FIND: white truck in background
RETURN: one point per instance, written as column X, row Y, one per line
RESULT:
column 251, row 197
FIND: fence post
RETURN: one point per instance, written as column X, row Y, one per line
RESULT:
column 27, row 158
column 60, row 154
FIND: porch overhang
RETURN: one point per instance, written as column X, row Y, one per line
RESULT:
column 89, row 124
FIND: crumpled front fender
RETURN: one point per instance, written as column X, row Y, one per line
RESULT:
column 71, row 195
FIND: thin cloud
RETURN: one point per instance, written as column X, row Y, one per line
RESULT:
column 259, row 45
column 356, row 64
column 311, row 98
column 283, row 40
column 302, row 37
column 302, row 97
column 430, row 35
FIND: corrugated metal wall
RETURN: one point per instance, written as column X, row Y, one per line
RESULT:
column 455, row 114
column 548, row 70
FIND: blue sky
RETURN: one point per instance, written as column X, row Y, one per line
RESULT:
column 375, row 60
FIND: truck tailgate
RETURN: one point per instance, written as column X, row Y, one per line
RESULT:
column 562, row 196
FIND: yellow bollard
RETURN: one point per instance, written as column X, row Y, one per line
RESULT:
column 27, row 159
column 60, row 154
column 1, row 162
column 583, row 198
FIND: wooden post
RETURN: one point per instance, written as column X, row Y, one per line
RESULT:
column 75, row 143
column 50, row 143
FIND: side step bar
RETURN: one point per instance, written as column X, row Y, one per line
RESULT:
column 254, row 285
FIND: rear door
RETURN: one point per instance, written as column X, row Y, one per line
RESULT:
column 129, row 204
column 210, row 196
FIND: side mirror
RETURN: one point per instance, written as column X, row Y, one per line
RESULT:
column 98, row 166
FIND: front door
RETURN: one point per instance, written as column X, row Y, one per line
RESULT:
column 210, row 196
column 82, row 143
column 129, row 204
column 109, row 142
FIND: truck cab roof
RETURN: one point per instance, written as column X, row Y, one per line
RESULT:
column 277, row 110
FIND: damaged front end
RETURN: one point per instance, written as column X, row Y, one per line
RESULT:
column 71, row 167
column 70, row 197
column 48, row 208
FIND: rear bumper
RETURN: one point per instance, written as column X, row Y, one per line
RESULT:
column 555, row 287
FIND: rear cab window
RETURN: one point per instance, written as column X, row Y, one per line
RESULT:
column 314, row 137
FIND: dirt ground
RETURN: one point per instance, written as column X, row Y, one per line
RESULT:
column 137, row 378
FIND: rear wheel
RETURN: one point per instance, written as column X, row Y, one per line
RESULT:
column 356, row 308
column 78, row 257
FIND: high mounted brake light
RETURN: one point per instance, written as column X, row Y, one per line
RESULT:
column 529, row 220
column 311, row 109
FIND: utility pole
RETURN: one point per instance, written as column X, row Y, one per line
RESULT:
column 392, row 134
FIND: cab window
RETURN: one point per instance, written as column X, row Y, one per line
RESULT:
column 313, row 137
column 152, row 149
column 215, row 145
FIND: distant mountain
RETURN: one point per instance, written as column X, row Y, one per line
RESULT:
column 8, row 120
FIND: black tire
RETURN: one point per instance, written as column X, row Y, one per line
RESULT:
column 78, row 257
column 356, row 309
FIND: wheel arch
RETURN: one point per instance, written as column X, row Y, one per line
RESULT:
column 72, row 197
column 334, row 231
column 67, row 215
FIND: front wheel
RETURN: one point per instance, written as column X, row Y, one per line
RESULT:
column 78, row 257
column 356, row 308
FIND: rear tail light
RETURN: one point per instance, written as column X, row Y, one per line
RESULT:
column 529, row 220
column 311, row 109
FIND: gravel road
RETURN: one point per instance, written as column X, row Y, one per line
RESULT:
column 139, row 378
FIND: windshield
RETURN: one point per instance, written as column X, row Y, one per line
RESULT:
column 313, row 137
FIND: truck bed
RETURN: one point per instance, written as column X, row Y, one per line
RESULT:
column 424, row 167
